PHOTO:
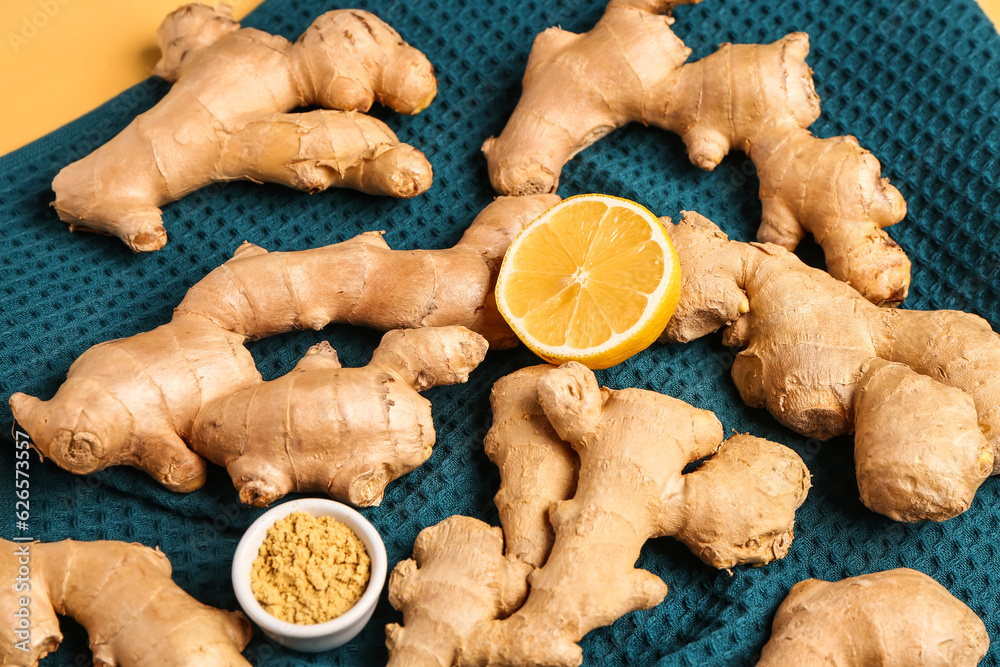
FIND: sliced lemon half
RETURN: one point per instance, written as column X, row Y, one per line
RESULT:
column 593, row 279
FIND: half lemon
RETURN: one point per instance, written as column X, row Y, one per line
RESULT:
column 593, row 279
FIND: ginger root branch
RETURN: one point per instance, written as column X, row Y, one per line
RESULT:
column 227, row 118
column 146, row 400
column 895, row 618
column 756, row 98
column 123, row 595
column 577, row 544
column 919, row 388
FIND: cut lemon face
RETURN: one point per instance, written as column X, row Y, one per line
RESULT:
column 594, row 279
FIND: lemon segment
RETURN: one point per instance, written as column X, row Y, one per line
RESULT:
column 593, row 279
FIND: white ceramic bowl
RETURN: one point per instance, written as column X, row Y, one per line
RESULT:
column 322, row 636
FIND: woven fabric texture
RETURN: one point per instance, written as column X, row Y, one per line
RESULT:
column 917, row 82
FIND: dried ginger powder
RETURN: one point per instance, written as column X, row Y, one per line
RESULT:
column 310, row 569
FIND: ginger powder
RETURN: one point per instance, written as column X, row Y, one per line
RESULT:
column 310, row 569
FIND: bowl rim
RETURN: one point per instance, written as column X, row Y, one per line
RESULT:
column 253, row 537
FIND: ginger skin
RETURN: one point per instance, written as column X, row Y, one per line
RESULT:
column 755, row 98
column 460, row 564
column 537, row 468
column 895, row 618
column 632, row 446
column 363, row 281
column 225, row 118
column 123, row 595
column 345, row 431
column 918, row 388
column 135, row 401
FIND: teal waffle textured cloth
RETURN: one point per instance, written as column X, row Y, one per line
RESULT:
column 917, row 82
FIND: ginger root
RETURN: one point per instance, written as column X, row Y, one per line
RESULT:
column 755, row 98
column 123, row 595
column 570, row 568
column 141, row 400
column 225, row 118
column 347, row 432
column 918, row 388
column 459, row 564
column 537, row 468
column 895, row 618
column 344, row 431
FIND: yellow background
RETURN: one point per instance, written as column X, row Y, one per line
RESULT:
column 992, row 8
column 62, row 58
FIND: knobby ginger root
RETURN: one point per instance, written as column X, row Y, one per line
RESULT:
column 123, row 595
column 363, row 281
column 750, row 97
column 139, row 401
column 570, row 568
column 345, row 431
column 537, row 468
column 459, row 565
column 225, row 118
column 918, row 388
column 896, row 618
